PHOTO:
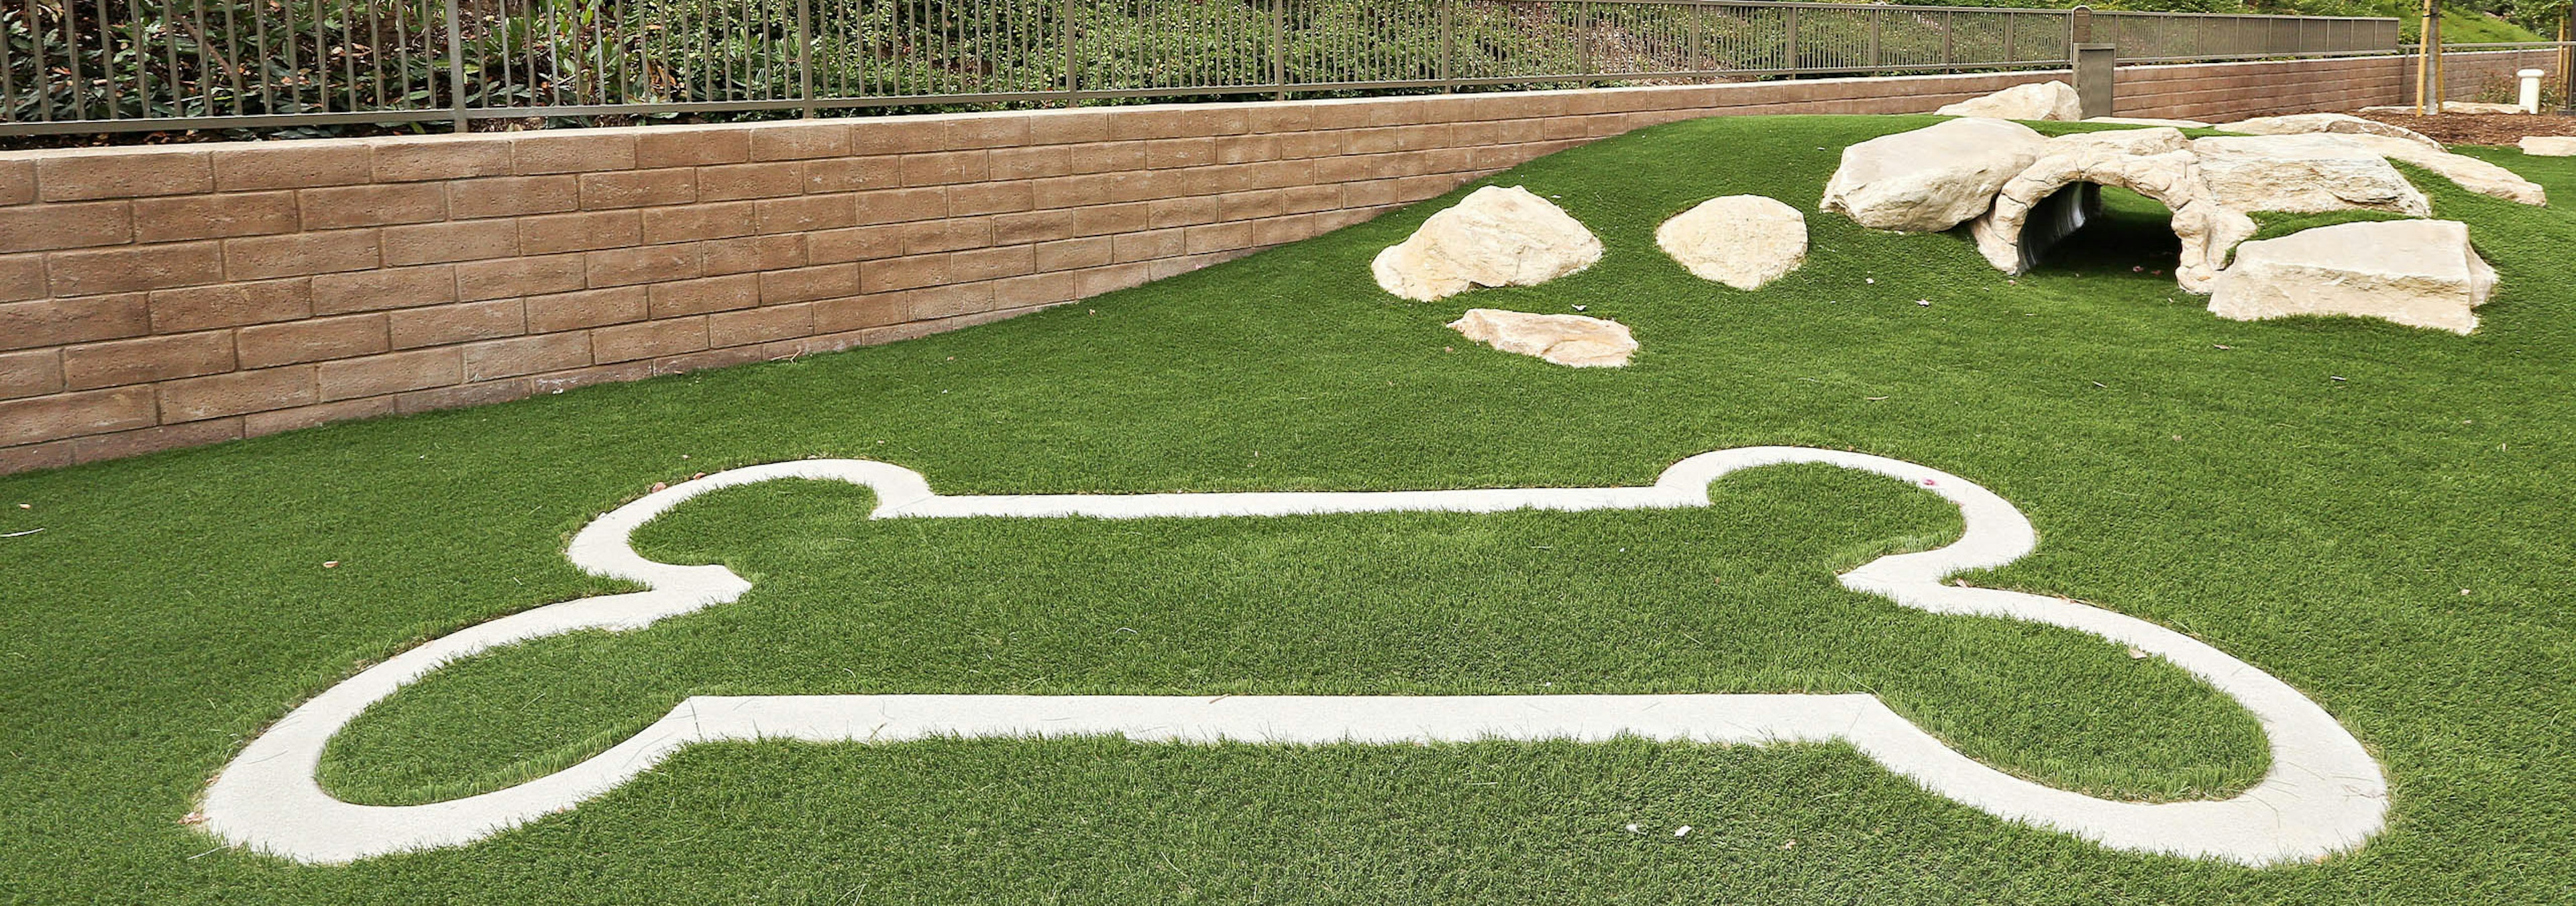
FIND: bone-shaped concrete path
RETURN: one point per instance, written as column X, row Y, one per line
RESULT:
column 2324, row 794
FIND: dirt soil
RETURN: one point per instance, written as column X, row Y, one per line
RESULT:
column 2481, row 128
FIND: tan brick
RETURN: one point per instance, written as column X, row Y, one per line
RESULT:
column 628, row 342
column 262, row 424
column 85, row 174
column 35, row 372
column 1168, row 153
column 526, row 355
column 688, row 146
column 372, row 205
column 574, row 151
column 1029, row 163
column 949, row 300
column 1252, row 205
column 799, row 141
column 463, row 396
column 53, row 322
column 389, row 373
column 638, row 188
column 741, row 181
column 900, row 205
column 990, row 198
column 224, row 395
column 313, row 340
column 441, row 157
column 377, row 290
column 1277, row 118
column 1178, row 121
column 585, row 231
column 1172, row 212
column 1127, row 247
column 17, row 181
column 805, row 284
column 1106, row 157
column 1065, row 127
column 697, row 297
column 298, row 254
column 760, row 325
column 893, row 274
column 36, row 228
column 946, row 235
column 524, row 276
column 596, row 374
column 987, row 130
column 444, row 324
column 1100, row 220
column 1310, row 144
column 904, row 135
column 1301, row 199
column 752, row 253
column 851, row 174
column 436, row 243
column 1243, row 149
column 214, row 216
column 807, row 212
column 61, row 415
column 1073, row 254
column 291, row 165
column 945, row 167
column 153, row 440
column 512, row 196
column 116, row 363
column 31, row 457
column 1034, row 289
column 1216, row 237
column 854, row 244
column 1094, row 281
column 856, row 312
column 712, row 358
column 588, row 308
column 683, row 223
column 1031, row 226
column 133, row 268
column 989, row 264
column 641, row 264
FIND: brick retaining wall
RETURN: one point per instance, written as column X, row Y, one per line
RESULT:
column 2465, row 76
column 155, row 297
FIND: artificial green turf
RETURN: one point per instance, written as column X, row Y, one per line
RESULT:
column 2371, row 513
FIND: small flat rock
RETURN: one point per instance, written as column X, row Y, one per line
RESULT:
column 1496, row 236
column 2549, row 145
column 1743, row 241
column 1573, row 341
column 1933, row 178
column 2420, row 273
column 2304, row 174
column 2035, row 101
column 2338, row 123
column 2470, row 173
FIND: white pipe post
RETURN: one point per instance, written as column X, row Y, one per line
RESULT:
column 2530, row 101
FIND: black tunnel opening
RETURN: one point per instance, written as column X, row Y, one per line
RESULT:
column 2087, row 227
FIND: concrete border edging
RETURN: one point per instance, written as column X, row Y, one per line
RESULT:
column 2324, row 793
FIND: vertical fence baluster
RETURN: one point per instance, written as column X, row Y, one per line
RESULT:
column 805, row 55
column 455, row 67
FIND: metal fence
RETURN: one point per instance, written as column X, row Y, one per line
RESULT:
column 106, row 65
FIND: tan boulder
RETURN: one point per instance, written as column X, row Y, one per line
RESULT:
column 2146, row 121
column 2035, row 101
column 1743, row 241
column 2549, row 145
column 2420, row 273
column 1495, row 236
column 1574, row 341
column 2156, row 163
column 1933, row 178
column 2304, row 174
column 2470, row 173
column 2338, row 123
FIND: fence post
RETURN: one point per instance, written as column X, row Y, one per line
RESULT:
column 455, row 68
column 2567, row 60
column 2079, row 26
column 1448, row 35
column 1583, row 20
column 1949, row 24
column 1279, row 47
column 1069, row 81
column 1789, row 55
column 804, row 54
column 1877, row 25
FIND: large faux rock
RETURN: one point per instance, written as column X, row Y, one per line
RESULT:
column 2156, row 163
column 1743, row 241
column 1494, row 237
column 2338, row 123
column 1933, row 178
column 1574, row 341
column 2420, row 273
column 2470, row 173
column 2037, row 101
column 2549, row 145
column 2304, row 174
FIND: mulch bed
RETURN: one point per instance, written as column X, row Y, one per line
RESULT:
column 2481, row 128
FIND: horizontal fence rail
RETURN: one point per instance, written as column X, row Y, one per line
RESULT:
column 108, row 65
